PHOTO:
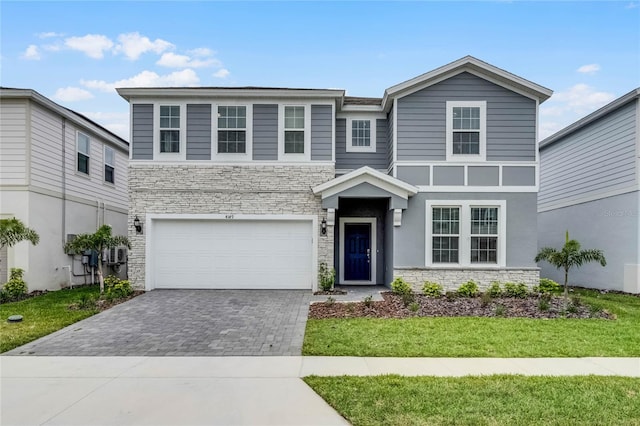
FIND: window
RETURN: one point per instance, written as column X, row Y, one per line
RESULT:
column 466, row 130
column 83, row 148
column 232, row 134
column 169, row 128
column 294, row 130
column 109, row 164
column 466, row 233
column 446, row 234
column 363, row 135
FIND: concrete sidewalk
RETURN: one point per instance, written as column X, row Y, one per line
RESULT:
column 225, row 390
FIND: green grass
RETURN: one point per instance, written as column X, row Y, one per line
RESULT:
column 486, row 400
column 483, row 337
column 42, row 315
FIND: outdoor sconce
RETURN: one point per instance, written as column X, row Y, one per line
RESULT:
column 137, row 225
column 323, row 226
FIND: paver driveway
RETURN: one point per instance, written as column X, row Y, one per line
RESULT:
column 187, row 323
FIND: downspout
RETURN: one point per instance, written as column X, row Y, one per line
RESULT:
column 64, row 182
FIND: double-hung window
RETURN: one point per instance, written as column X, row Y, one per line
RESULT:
column 83, row 148
column 466, row 233
column 361, row 135
column 294, row 127
column 169, row 128
column 109, row 165
column 466, row 130
column 232, row 129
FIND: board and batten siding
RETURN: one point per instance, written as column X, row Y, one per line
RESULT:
column 265, row 132
column 199, row 132
column 47, row 161
column 354, row 160
column 321, row 132
column 511, row 120
column 13, row 142
column 142, row 133
column 599, row 158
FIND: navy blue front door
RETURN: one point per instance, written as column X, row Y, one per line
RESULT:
column 357, row 251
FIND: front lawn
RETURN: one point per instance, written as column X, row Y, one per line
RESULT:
column 486, row 400
column 483, row 337
column 43, row 315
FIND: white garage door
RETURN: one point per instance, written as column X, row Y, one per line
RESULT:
column 239, row 254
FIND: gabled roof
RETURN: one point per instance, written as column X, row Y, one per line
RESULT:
column 366, row 175
column 474, row 66
column 610, row 107
column 69, row 114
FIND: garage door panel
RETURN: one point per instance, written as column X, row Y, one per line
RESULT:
column 232, row 254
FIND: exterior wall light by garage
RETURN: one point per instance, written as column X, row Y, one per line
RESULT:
column 323, row 226
column 138, row 225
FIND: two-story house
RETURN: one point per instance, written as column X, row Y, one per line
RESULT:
column 61, row 174
column 248, row 187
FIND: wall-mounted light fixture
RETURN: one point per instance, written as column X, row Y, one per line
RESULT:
column 323, row 226
column 138, row 225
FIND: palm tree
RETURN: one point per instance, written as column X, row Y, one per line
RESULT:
column 12, row 231
column 98, row 241
column 569, row 256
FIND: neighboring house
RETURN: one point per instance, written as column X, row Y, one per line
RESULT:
column 61, row 174
column 589, row 182
column 254, row 187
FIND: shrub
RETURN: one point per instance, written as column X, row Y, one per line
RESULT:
column 468, row 289
column 400, row 286
column 431, row 289
column 368, row 301
column 414, row 307
column 518, row 290
column 485, row 299
column 494, row 289
column 500, row 311
column 548, row 286
column 326, row 277
column 330, row 301
column 15, row 288
column 544, row 304
column 116, row 288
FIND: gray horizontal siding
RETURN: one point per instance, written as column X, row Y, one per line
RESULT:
column 265, row 132
column 511, row 120
column 199, row 132
column 321, row 128
column 598, row 158
column 390, row 138
column 142, row 133
column 354, row 160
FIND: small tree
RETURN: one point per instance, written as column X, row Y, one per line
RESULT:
column 570, row 256
column 98, row 241
column 12, row 231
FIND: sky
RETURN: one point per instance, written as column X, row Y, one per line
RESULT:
column 78, row 52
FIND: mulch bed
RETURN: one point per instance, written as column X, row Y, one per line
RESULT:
column 393, row 307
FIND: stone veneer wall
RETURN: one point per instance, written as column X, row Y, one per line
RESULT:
column 222, row 189
column 451, row 279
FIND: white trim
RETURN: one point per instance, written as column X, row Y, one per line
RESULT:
column 585, row 199
column 394, row 142
column 130, row 93
column 482, row 156
column 333, row 133
column 369, row 175
column 374, row 249
column 464, row 247
column 171, row 156
column 306, row 156
column 397, row 217
column 226, row 157
column 373, row 128
column 462, row 163
column 150, row 228
column 520, row 189
column 209, row 163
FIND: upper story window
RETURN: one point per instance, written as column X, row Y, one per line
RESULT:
column 169, row 128
column 232, row 129
column 83, row 148
column 466, row 130
column 294, row 130
column 109, row 164
column 362, row 137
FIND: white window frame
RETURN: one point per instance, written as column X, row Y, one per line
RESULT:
column 483, row 131
column 232, row 156
column 464, row 243
column 349, row 136
column 170, row 156
column 104, row 171
column 87, row 154
column 458, row 235
column 306, row 156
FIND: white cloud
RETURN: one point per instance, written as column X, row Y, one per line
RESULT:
column 92, row 45
column 49, row 34
column 589, row 69
column 186, row 77
column 221, row 73
column 31, row 53
column 117, row 122
column 133, row 45
column 72, row 94
column 201, row 52
column 632, row 5
column 172, row 60
column 582, row 96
